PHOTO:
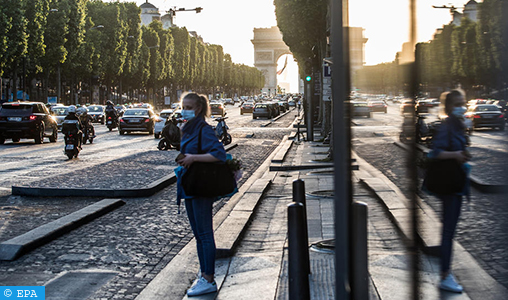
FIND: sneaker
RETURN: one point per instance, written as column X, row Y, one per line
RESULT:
column 201, row 287
column 450, row 284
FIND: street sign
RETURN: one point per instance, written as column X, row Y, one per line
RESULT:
column 167, row 100
column 52, row 100
column 327, row 71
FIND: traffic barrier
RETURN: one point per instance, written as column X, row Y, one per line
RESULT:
column 298, row 254
column 299, row 197
column 359, row 255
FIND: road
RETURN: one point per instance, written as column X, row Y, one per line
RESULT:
column 135, row 241
column 482, row 227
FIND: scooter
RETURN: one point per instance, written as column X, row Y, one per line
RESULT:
column 221, row 131
column 88, row 133
column 170, row 135
column 111, row 122
column 72, row 138
column 423, row 131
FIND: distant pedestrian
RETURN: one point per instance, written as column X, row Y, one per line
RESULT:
column 449, row 143
column 196, row 133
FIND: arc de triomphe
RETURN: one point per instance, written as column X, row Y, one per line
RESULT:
column 268, row 48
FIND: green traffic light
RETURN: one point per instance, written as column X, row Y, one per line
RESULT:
column 308, row 78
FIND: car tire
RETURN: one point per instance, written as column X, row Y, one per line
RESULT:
column 16, row 140
column 121, row 132
column 253, row 117
column 157, row 135
column 54, row 135
column 40, row 135
column 2, row 141
column 241, row 113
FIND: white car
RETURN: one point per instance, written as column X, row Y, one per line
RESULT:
column 161, row 120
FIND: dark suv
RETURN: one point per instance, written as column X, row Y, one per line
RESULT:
column 27, row 120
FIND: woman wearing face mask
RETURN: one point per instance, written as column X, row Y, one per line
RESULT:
column 450, row 142
column 196, row 133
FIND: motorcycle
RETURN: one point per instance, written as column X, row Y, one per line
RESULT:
column 221, row 131
column 170, row 135
column 72, row 138
column 423, row 131
column 88, row 133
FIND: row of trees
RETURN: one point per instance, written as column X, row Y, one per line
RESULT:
column 83, row 43
column 472, row 55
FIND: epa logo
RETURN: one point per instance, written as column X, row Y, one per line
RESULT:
column 7, row 293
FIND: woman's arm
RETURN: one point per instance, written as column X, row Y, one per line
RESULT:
column 460, row 156
column 191, row 158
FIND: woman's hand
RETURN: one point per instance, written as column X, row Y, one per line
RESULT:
column 187, row 160
column 461, row 156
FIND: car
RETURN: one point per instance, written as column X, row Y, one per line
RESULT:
column 217, row 109
column 379, row 106
column 175, row 105
column 275, row 108
column 262, row 110
column 229, row 101
column 361, row 108
column 59, row 113
column 284, row 106
column 120, row 109
column 137, row 119
column 160, row 121
column 406, row 107
column 486, row 115
column 246, row 107
column 27, row 120
column 97, row 113
column 423, row 106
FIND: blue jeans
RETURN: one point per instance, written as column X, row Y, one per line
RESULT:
column 451, row 213
column 199, row 211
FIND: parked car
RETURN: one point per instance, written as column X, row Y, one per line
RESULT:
column 97, row 113
column 27, row 120
column 137, row 119
column 361, row 108
column 486, row 115
column 217, row 109
column 262, row 110
column 246, row 107
column 59, row 113
column 284, row 106
column 275, row 108
column 379, row 106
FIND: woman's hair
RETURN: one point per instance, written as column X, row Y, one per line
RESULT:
column 449, row 97
column 200, row 100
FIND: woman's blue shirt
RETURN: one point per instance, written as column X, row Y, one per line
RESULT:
column 450, row 136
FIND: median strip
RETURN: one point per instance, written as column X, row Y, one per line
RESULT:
column 16, row 247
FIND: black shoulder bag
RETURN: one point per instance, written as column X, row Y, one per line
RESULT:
column 445, row 176
column 208, row 179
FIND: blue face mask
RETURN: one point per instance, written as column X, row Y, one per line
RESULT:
column 459, row 111
column 188, row 114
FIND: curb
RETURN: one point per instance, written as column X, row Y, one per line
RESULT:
column 230, row 223
column 275, row 119
column 16, row 247
column 282, row 150
column 476, row 182
column 147, row 191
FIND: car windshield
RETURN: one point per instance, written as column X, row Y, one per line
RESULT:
column 95, row 109
column 60, row 111
column 165, row 115
column 215, row 105
column 261, row 106
column 136, row 112
column 486, row 108
column 359, row 104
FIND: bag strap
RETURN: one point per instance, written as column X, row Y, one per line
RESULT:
column 199, row 141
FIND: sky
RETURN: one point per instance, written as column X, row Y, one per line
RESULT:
column 230, row 23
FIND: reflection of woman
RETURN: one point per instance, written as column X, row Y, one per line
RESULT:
column 199, row 144
column 450, row 142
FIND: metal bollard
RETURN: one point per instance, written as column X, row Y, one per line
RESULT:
column 298, row 254
column 299, row 197
column 359, row 255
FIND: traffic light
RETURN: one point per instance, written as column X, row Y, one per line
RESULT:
column 308, row 70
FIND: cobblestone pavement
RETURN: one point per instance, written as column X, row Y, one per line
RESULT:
column 136, row 240
column 482, row 226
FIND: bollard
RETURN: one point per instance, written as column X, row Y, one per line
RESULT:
column 299, row 197
column 298, row 254
column 359, row 270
